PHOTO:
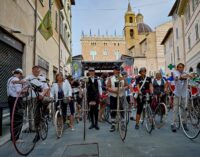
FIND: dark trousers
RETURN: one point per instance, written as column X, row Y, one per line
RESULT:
column 94, row 114
column 113, row 107
column 140, row 103
column 63, row 107
column 18, row 118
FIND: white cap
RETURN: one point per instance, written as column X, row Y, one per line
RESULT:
column 19, row 70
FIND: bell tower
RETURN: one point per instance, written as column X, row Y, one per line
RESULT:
column 130, row 28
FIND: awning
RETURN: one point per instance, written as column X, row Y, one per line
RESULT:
column 101, row 65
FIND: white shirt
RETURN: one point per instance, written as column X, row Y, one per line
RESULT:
column 180, row 85
column 66, row 89
column 159, row 81
column 13, row 89
column 121, row 88
column 38, row 81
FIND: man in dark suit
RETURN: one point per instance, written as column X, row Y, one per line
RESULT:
column 94, row 91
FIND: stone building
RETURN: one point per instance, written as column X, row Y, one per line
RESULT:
column 169, row 50
column 139, row 41
column 190, row 10
column 22, row 45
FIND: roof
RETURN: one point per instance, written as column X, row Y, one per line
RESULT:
column 77, row 57
column 170, row 30
column 129, row 8
column 101, row 65
column 181, row 7
column 143, row 28
column 174, row 8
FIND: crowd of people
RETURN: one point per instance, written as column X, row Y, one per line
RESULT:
column 102, row 91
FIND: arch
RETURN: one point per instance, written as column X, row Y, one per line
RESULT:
column 130, row 19
column 131, row 33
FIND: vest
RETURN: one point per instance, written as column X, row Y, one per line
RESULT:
column 158, row 89
column 92, row 90
column 113, row 82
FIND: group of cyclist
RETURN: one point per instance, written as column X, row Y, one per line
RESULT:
column 100, row 92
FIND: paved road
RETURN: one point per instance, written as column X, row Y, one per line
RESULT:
column 161, row 143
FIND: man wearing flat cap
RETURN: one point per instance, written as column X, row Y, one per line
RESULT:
column 112, row 86
column 13, row 89
column 94, row 91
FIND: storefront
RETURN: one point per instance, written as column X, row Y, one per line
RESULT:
column 11, row 53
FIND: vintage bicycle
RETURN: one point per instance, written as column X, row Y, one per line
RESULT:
column 28, row 119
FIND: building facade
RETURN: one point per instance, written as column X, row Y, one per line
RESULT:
column 102, row 48
column 168, row 43
column 178, row 55
column 143, row 43
column 139, row 41
column 190, row 10
column 22, row 45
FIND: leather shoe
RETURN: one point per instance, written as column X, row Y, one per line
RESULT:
column 91, row 127
column 112, row 128
column 97, row 127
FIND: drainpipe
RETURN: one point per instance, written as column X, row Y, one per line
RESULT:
column 35, row 34
column 59, row 42
column 183, row 33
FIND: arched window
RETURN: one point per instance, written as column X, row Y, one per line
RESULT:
column 131, row 33
column 130, row 19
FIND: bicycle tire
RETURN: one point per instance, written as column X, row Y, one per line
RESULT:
column 142, row 116
column 160, row 115
column 107, row 115
column 22, row 115
column 123, row 125
column 52, row 113
column 192, row 130
column 59, row 124
column 149, row 123
column 43, row 131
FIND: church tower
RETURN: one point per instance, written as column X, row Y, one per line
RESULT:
column 130, row 29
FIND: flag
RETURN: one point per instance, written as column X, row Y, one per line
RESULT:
column 45, row 26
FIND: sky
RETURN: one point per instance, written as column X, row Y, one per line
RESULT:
column 108, row 16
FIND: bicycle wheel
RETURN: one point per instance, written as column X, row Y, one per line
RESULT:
column 43, row 128
column 142, row 116
column 107, row 114
column 52, row 112
column 59, row 124
column 160, row 115
column 167, row 101
column 189, row 121
column 22, row 122
column 123, row 123
column 149, row 123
